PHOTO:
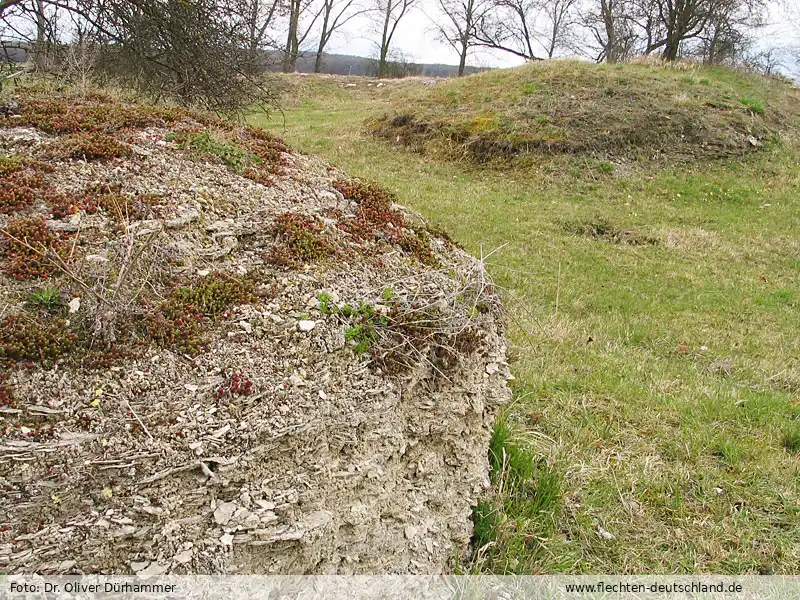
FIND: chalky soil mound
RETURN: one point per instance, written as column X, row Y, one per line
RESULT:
column 220, row 356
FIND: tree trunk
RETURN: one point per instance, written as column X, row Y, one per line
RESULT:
column 323, row 37
column 318, row 62
column 713, row 44
column 293, row 57
column 606, row 12
column 551, row 49
column 676, row 29
column 41, row 25
column 287, row 61
column 382, row 68
column 252, row 33
column 290, row 53
column 462, row 63
column 671, row 49
column 41, row 36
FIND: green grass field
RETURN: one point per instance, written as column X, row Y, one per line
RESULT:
column 654, row 327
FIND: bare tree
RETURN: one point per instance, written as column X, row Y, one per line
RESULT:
column 510, row 28
column 682, row 20
column 388, row 14
column 80, row 63
column 12, row 32
column 667, row 24
column 559, row 16
column 298, row 31
column 256, row 17
column 47, row 34
column 7, row 4
column 41, row 22
column 193, row 51
column 335, row 15
column 31, row 25
column 725, row 39
column 530, row 29
column 457, row 25
column 767, row 62
column 610, row 24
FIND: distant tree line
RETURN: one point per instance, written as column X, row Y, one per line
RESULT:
column 210, row 52
column 346, row 64
column 714, row 31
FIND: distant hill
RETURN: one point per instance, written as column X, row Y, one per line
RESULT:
column 13, row 52
column 333, row 64
column 345, row 64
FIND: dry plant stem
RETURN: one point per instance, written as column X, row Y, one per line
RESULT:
column 59, row 262
column 133, row 412
column 132, row 258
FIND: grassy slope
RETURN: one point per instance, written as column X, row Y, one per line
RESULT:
column 620, row 112
column 657, row 415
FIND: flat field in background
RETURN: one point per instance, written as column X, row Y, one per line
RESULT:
column 654, row 322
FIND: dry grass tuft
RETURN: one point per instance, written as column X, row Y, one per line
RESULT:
column 690, row 239
column 604, row 230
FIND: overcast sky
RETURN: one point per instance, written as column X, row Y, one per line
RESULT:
column 416, row 39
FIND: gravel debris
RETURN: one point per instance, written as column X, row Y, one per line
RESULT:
column 327, row 464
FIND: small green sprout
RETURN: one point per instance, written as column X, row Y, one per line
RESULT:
column 325, row 303
column 47, row 298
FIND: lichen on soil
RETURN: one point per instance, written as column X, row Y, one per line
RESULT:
column 221, row 356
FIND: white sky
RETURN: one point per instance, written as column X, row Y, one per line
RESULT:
column 416, row 39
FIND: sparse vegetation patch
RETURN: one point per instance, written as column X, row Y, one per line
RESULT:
column 92, row 113
column 512, row 529
column 756, row 106
column 28, row 248
column 20, row 183
column 254, row 153
column 375, row 220
column 207, row 145
column 177, row 326
column 397, row 333
column 791, row 439
column 46, row 298
column 299, row 241
column 238, row 384
column 602, row 229
column 267, row 148
column 182, row 322
column 7, row 399
column 88, row 146
column 25, row 337
column 213, row 294
column 108, row 198
column 362, row 332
